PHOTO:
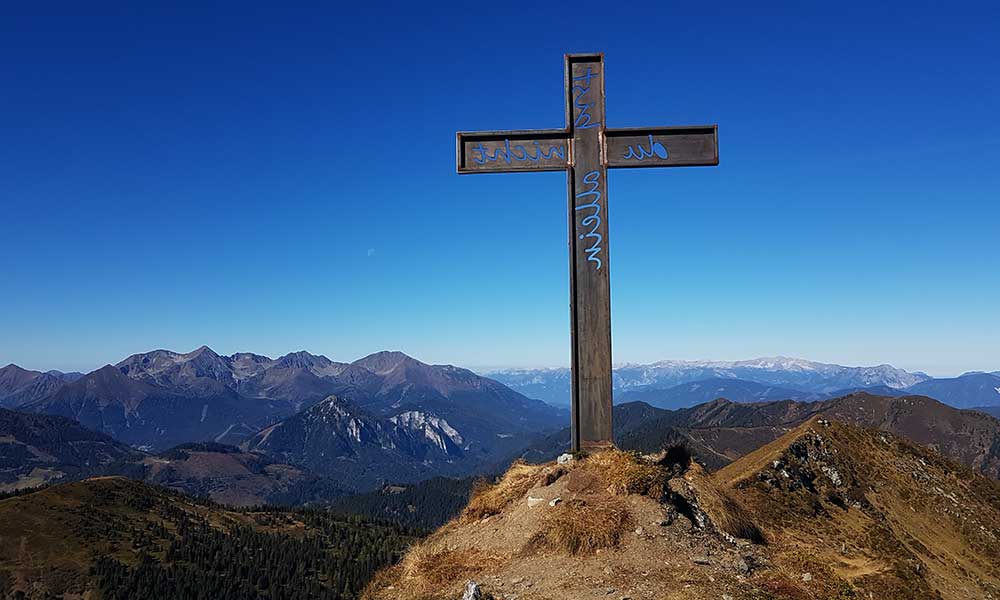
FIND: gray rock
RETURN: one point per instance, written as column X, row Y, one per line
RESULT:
column 473, row 591
column 741, row 566
column 564, row 459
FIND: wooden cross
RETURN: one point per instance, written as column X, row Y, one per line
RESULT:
column 586, row 149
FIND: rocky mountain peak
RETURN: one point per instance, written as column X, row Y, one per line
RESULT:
column 382, row 363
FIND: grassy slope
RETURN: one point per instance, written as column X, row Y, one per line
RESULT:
column 873, row 510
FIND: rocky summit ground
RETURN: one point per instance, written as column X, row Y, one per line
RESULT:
column 828, row 511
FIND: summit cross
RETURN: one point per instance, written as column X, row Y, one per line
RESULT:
column 586, row 149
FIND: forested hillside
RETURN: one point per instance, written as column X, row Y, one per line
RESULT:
column 125, row 539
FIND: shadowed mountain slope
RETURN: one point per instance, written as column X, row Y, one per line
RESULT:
column 336, row 438
column 967, row 391
column 38, row 449
column 20, row 386
column 143, row 413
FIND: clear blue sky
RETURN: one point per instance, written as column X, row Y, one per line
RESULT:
column 276, row 178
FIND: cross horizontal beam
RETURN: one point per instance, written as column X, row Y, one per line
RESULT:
column 551, row 149
column 506, row 151
column 687, row 146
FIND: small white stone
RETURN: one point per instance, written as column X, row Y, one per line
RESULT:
column 564, row 459
column 555, row 501
column 472, row 591
column 807, row 577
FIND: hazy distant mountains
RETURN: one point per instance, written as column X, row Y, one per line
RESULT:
column 969, row 390
column 676, row 384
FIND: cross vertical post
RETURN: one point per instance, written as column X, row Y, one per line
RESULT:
column 590, row 285
column 586, row 149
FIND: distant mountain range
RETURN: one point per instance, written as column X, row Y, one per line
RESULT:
column 678, row 384
column 384, row 417
column 738, row 390
column 721, row 431
column 249, row 428
column 159, row 399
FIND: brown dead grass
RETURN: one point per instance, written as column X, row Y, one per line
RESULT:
column 428, row 574
column 490, row 500
column 627, row 473
column 437, row 568
column 727, row 514
column 583, row 526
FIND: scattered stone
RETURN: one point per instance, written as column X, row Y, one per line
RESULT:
column 807, row 577
column 740, row 565
column 555, row 501
column 609, row 591
column 564, row 459
column 701, row 560
column 685, row 501
column 533, row 502
column 473, row 591
column 553, row 476
column 727, row 597
column 638, row 531
column 517, row 580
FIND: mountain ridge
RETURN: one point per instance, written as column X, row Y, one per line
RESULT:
column 162, row 398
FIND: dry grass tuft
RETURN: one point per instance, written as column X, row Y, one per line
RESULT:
column 491, row 499
column 737, row 522
column 443, row 567
column 581, row 527
column 428, row 574
column 627, row 473
column 727, row 515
